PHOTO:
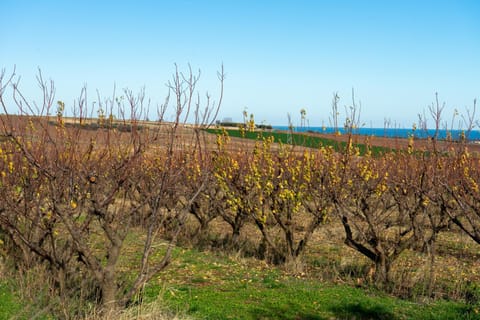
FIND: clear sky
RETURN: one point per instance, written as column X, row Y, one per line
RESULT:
column 279, row 56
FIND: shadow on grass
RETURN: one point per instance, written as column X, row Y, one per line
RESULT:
column 358, row 311
column 288, row 313
column 296, row 311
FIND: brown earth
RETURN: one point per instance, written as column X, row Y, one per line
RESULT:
column 397, row 143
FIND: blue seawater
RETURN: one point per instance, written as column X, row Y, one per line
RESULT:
column 473, row 135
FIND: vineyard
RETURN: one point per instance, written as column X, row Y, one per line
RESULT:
column 76, row 192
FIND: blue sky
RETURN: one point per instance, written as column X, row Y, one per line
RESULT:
column 279, row 56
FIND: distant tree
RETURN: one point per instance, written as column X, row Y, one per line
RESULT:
column 303, row 114
column 335, row 113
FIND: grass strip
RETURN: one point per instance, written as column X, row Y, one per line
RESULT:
column 299, row 139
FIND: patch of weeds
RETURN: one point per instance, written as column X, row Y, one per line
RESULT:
column 272, row 281
column 9, row 305
column 14, row 306
column 353, row 270
column 472, row 297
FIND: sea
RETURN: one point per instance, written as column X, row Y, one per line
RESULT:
column 471, row 136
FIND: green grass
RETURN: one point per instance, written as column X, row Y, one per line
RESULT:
column 9, row 305
column 303, row 300
column 13, row 307
column 212, row 286
column 300, row 139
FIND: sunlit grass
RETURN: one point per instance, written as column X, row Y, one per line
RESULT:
column 212, row 286
column 300, row 139
column 220, row 285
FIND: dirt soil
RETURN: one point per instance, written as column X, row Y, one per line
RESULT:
column 397, row 143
